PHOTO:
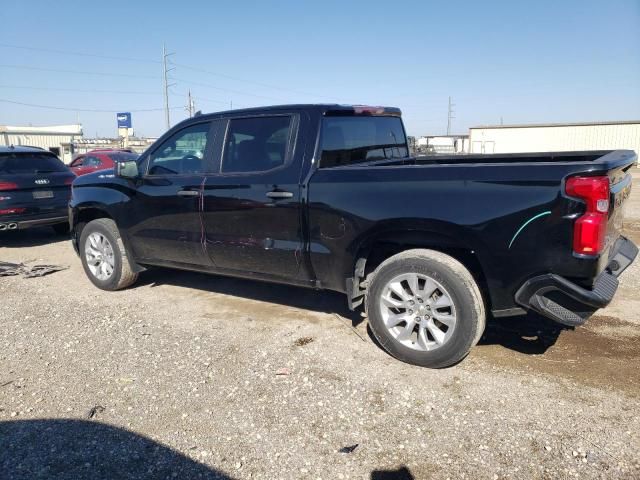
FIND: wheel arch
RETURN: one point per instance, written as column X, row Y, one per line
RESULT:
column 379, row 244
column 84, row 213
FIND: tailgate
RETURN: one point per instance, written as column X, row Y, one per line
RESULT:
column 603, row 190
column 620, row 190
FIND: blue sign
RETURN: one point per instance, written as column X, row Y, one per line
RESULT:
column 124, row 119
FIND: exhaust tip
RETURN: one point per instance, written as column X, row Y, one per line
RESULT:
column 12, row 226
column 3, row 227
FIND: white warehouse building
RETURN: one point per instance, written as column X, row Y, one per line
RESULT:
column 58, row 139
column 555, row 137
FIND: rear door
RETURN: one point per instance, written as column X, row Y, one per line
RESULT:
column 166, row 226
column 252, row 206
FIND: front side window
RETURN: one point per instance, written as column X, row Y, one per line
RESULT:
column 182, row 153
column 90, row 161
column 256, row 144
column 358, row 139
column 78, row 161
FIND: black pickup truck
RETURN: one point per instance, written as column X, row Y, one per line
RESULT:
column 327, row 197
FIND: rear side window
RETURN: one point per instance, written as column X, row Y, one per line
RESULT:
column 256, row 144
column 350, row 140
column 30, row 163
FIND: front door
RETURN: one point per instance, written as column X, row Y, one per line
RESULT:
column 252, row 206
column 167, row 202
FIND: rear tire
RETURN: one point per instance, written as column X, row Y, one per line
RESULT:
column 425, row 308
column 104, row 257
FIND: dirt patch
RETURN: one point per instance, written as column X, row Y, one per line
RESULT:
column 301, row 342
column 608, row 321
column 631, row 230
column 603, row 353
column 612, row 327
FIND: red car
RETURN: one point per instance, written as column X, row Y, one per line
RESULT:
column 100, row 160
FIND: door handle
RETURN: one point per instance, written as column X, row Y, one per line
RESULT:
column 189, row 193
column 279, row 195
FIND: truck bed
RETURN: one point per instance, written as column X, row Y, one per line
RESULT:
column 494, row 158
column 476, row 203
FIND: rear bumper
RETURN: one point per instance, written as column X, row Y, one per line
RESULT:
column 22, row 223
column 565, row 302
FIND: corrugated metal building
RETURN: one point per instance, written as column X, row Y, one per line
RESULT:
column 57, row 139
column 448, row 144
column 555, row 137
column 137, row 144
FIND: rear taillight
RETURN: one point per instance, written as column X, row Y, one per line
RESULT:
column 590, row 229
column 366, row 110
column 5, row 186
column 11, row 211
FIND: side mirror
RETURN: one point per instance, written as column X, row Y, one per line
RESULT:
column 127, row 169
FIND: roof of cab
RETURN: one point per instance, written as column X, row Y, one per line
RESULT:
column 322, row 107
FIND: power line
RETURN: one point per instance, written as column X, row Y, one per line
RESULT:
column 118, row 92
column 221, row 102
column 80, row 54
column 81, row 72
column 69, row 109
column 260, row 84
column 144, row 60
column 54, row 89
column 189, row 67
column 237, row 92
column 166, row 85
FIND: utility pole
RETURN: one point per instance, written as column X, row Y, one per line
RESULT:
column 450, row 116
column 191, row 106
column 165, row 84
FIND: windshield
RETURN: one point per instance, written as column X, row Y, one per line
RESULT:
column 357, row 139
column 30, row 163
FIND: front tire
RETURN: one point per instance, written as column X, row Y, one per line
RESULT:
column 104, row 257
column 425, row 308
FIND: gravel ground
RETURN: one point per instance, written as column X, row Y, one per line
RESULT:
column 194, row 376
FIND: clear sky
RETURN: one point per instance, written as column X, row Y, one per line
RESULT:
column 524, row 62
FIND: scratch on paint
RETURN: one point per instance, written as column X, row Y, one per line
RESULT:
column 548, row 212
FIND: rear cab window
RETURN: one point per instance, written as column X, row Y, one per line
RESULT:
column 349, row 140
column 25, row 163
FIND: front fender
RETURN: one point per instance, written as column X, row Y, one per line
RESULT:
column 94, row 201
